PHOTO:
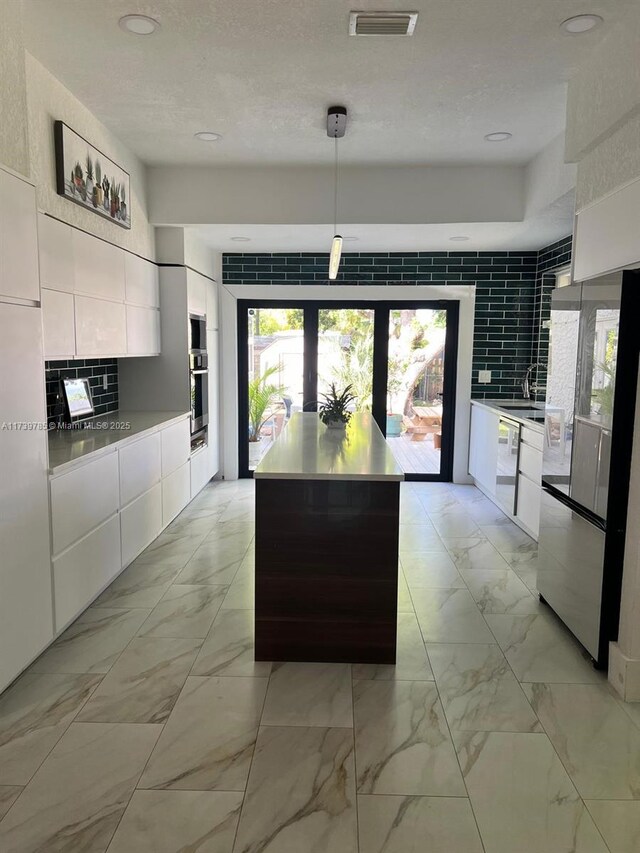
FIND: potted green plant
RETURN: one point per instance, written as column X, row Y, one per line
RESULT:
column 89, row 165
column 98, row 192
column 334, row 412
column 262, row 394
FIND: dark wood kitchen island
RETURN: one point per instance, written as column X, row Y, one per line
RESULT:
column 327, row 515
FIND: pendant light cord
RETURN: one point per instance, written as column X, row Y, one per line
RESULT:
column 335, row 187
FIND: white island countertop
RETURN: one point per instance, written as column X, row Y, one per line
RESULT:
column 307, row 450
column 68, row 447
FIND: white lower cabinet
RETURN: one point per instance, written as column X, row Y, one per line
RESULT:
column 528, row 506
column 483, row 448
column 83, row 570
column 200, row 472
column 143, row 330
column 101, row 327
column 139, row 467
column 58, row 324
column 83, row 499
column 176, row 446
column 140, row 523
column 176, row 493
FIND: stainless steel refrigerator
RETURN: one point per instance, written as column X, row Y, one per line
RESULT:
column 592, row 375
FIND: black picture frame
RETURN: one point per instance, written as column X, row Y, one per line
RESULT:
column 73, row 153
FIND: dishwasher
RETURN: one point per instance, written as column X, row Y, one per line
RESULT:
column 507, row 471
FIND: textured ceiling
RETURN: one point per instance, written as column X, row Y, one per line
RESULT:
column 262, row 73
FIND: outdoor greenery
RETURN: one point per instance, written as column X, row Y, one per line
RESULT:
column 262, row 394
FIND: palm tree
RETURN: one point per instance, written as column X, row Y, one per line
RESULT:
column 262, row 394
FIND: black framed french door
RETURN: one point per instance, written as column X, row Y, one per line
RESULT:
column 400, row 357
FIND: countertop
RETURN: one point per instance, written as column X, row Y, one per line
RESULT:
column 519, row 414
column 307, row 450
column 68, row 446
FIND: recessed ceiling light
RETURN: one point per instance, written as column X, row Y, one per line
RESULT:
column 499, row 136
column 241, row 239
column 207, row 136
column 581, row 24
column 459, row 238
column 139, row 25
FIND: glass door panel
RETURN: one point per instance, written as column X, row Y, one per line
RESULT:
column 345, row 353
column 275, row 370
column 415, row 388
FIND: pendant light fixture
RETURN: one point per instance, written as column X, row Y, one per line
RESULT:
column 336, row 128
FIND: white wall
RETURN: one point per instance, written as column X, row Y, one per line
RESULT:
column 229, row 295
column 47, row 100
column 14, row 145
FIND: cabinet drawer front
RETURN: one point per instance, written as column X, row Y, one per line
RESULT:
column 82, row 499
column 56, row 254
column 101, row 327
column 143, row 330
column 200, row 474
column 528, row 509
column 81, row 572
column 531, row 462
column 176, row 446
column 530, row 436
column 176, row 493
column 99, row 267
column 141, row 279
column 140, row 523
column 58, row 324
column 139, row 467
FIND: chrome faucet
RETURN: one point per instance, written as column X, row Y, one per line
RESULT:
column 527, row 386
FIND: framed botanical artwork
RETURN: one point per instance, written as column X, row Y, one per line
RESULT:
column 89, row 178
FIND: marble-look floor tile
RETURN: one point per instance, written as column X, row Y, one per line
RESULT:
column 213, row 563
column 228, row 649
column 193, row 523
column 208, row 740
column 412, row 511
column 596, row 741
column 241, row 595
column 509, row 538
column 93, row 643
column 408, row 824
column 466, row 494
column 431, row 570
column 75, row 800
column 8, row 795
column 34, row 714
column 405, row 604
column 618, row 822
column 301, row 793
column 172, row 548
column 419, row 537
column 231, row 534
column 178, row 822
column 539, row 648
column 455, row 522
column 403, row 744
column 632, row 710
column 141, row 584
column 528, row 576
column 411, row 664
column 438, row 501
column 309, row 694
column 184, row 611
column 449, row 616
column 485, row 512
column 478, row 690
column 239, row 509
column 522, row 797
column 473, row 553
column 500, row 591
column 144, row 683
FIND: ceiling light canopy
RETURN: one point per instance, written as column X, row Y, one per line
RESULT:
column 498, row 136
column 139, row 25
column 207, row 136
column 581, row 24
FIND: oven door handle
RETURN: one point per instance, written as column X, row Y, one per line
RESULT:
column 199, row 372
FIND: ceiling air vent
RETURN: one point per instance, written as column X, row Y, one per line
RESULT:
column 382, row 23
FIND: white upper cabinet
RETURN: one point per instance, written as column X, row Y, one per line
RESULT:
column 19, row 278
column 57, row 269
column 101, row 327
column 58, row 323
column 141, row 278
column 196, row 293
column 99, row 267
column 212, row 305
column 143, row 330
